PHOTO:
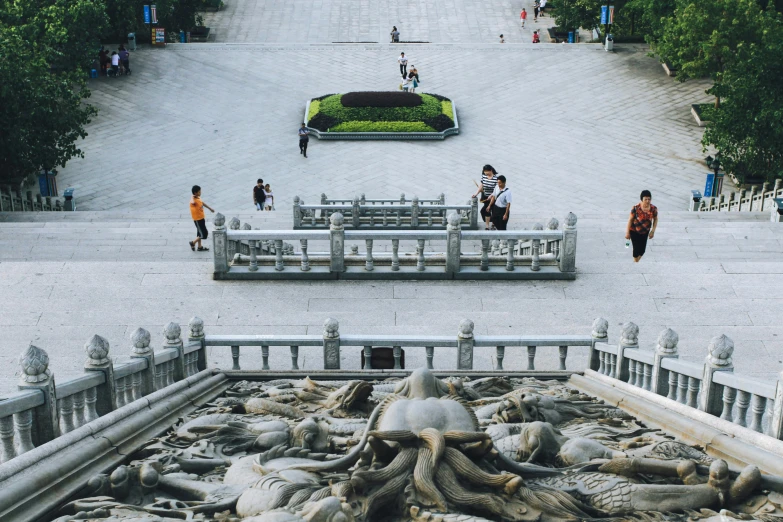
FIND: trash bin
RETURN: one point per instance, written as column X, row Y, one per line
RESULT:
column 609, row 43
column 182, row 37
column 131, row 41
column 70, row 204
column 570, row 37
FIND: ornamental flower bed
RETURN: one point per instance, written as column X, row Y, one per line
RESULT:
column 380, row 115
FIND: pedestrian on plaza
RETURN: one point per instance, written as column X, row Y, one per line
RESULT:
column 541, row 8
column 500, row 204
column 489, row 179
column 259, row 195
column 414, row 77
column 641, row 225
column 523, row 17
column 270, row 198
column 536, row 38
column 197, row 213
column 395, row 35
column 115, row 63
column 124, row 59
column 407, row 81
column 105, row 61
column 536, row 8
column 303, row 139
column 502, row 40
column 403, row 61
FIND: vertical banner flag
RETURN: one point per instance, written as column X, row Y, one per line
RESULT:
column 604, row 14
column 146, row 14
column 611, row 14
column 154, row 10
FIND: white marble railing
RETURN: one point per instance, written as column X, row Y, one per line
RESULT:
column 757, row 199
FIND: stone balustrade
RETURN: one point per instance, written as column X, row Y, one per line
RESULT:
column 383, row 213
column 15, row 201
column 757, row 199
column 440, row 200
column 711, row 387
column 42, row 410
column 550, row 254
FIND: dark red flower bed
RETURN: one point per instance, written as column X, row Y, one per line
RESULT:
column 380, row 99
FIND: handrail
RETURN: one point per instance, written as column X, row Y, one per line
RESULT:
column 746, row 384
column 129, row 368
column 21, row 401
column 80, row 384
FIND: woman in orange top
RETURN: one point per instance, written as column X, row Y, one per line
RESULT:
column 641, row 224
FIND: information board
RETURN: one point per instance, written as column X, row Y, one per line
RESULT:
column 158, row 36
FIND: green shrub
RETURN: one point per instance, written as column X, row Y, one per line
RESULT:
column 382, row 126
column 322, row 122
column 429, row 108
column 440, row 122
column 380, row 99
column 315, row 106
column 447, row 109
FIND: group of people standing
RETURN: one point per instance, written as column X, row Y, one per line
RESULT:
column 410, row 79
column 116, row 64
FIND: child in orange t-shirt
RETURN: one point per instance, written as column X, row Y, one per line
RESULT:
column 523, row 17
column 197, row 213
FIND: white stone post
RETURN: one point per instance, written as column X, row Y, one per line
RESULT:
column 172, row 333
column 453, row 243
column 140, row 349
column 568, row 248
column 356, row 217
column 219, row 246
column 718, row 359
column 297, row 212
column 231, row 246
column 666, row 347
column 196, row 335
column 97, row 349
column 415, row 212
column 331, row 344
column 599, row 334
column 629, row 340
column 465, row 345
column 337, row 244
column 37, row 376
column 474, row 213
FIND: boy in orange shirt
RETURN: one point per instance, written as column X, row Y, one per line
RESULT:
column 197, row 213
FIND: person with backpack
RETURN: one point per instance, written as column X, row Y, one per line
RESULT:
column 259, row 194
column 500, row 204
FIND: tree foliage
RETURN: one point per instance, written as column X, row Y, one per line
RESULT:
column 126, row 16
column 46, row 47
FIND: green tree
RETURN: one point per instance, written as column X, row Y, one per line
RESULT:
column 747, row 128
column 650, row 14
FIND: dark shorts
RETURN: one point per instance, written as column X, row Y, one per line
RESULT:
column 201, row 227
column 639, row 242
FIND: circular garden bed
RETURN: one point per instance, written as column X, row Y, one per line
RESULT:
column 381, row 115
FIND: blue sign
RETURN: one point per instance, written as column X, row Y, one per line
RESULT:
column 604, row 14
column 709, row 184
column 146, row 14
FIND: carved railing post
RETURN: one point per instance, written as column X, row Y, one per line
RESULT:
column 629, row 340
column 219, row 247
column 331, row 344
column 140, row 349
column 568, row 248
column 415, row 212
column 231, row 246
column 97, row 349
column 337, row 244
column 474, row 213
column 718, row 359
column 172, row 333
column 666, row 347
column 324, row 201
column 465, row 345
column 297, row 213
column 196, row 335
column 600, row 334
column 775, row 427
column 37, row 376
column 356, row 213
column 453, row 243
column 402, row 198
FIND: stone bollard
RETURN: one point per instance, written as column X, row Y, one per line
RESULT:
column 356, row 216
column 41, row 424
column 336, row 244
column 196, row 335
column 140, row 349
column 331, row 344
column 629, row 340
column 402, row 198
column 600, row 334
column 415, row 212
column 97, row 349
column 453, row 243
column 568, row 248
column 297, row 212
column 474, row 213
column 219, row 247
column 465, row 345
column 666, row 347
column 718, row 359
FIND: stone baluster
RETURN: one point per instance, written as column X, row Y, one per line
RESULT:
column 90, row 404
column 632, row 375
column 279, row 255
column 196, row 335
column 337, row 243
column 743, row 403
column 219, row 246
column 297, row 213
column 500, row 352
column 397, row 354
column 430, row 351
column 465, row 343
column 601, row 363
column 758, row 404
column 613, row 365
column 265, row 357
column 368, row 358
column 140, row 349
column 7, row 431
column 554, row 246
column 484, row 255
column 672, row 386
column 398, row 214
column 453, row 243
column 718, row 359
column 563, row 352
column 415, row 212
column 729, row 396
column 693, row 392
column 331, row 344
column 24, row 429
column 531, row 358
column 66, row 414
column 371, row 213
column 599, row 333
column 682, row 389
column 294, row 357
column 535, row 264
column 231, row 246
column 568, row 248
column 666, row 347
column 119, row 388
column 79, row 416
column 510, row 255
column 474, row 213
column 640, row 374
column 136, row 385
column 629, row 340
column 368, row 261
column 444, row 221
column 253, row 245
column 235, row 358
column 128, row 398
column 356, row 213
column 395, row 261
column 647, row 383
column 36, row 375
column 305, row 260
column 420, row 255
column 495, row 247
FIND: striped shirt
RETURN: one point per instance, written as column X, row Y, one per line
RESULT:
column 488, row 185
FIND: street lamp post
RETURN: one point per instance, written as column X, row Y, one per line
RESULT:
column 717, row 180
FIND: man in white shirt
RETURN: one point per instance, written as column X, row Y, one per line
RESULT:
column 403, row 61
column 500, row 204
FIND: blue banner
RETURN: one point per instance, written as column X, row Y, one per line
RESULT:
column 604, row 14
column 146, row 14
column 709, row 184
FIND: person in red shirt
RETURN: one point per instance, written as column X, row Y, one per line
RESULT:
column 641, row 225
column 536, row 39
column 523, row 17
column 197, row 213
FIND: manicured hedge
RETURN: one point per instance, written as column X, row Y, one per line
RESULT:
column 380, row 99
column 322, row 122
column 429, row 108
column 440, row 123
column 315, row 106
column 382, row 126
